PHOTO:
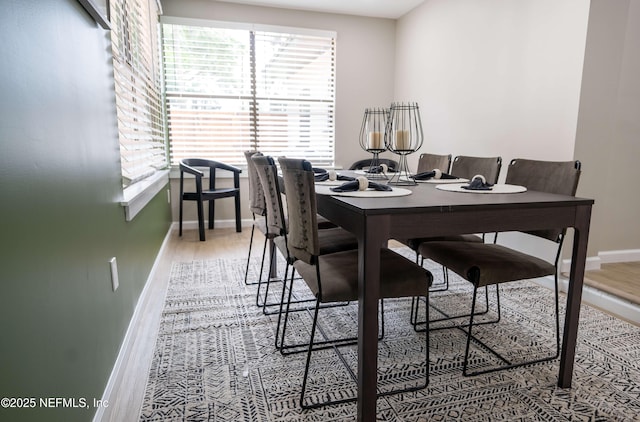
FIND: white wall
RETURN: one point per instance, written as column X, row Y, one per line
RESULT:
column 608, row 136
column 496, row 77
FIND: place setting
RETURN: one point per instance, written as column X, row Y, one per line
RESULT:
column 436, row 176
column 360, row 187
column 478, row 184
column 325, row 177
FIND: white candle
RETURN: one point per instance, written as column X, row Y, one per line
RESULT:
column 375, row 140
column 402, row 140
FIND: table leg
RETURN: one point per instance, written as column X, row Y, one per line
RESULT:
column 375, row 236
column 574, row 295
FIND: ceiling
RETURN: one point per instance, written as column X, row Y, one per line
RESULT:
column 392, row 9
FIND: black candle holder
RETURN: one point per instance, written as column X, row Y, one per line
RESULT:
column 372, row 139
column 403, row 136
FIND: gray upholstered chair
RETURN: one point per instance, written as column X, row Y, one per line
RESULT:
column 331, row 239
column 485, row 264
column 257, row 205
column 465, row 167
column 428, row 162
column 258, row 209
column 392, row 165
column 334, row 277
column 201, row 195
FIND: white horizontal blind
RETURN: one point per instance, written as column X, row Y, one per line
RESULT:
column 134, row 39
column 232, row 90
column 208, row 92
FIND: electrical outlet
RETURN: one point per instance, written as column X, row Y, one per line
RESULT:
column 114, row 273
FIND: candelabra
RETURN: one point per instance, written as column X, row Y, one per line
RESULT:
column 372, row 140
column 403, row 136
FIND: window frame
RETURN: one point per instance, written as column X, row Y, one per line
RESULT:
column 253, row 141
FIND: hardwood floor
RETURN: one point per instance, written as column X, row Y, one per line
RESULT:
column 620, row 279
column 125, row 392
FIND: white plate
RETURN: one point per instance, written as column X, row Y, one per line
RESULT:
column 364, row 172
column 496, row 188
column 369, row 193
column 330, row 183
column 440, row 181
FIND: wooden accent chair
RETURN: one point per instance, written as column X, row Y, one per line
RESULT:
column 190, row 166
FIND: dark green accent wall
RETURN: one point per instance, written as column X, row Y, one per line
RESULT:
column 61, row 323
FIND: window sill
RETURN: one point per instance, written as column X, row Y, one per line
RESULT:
column 137, row 196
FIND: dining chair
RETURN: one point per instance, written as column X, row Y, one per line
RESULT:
column 201, row 195
column 258, row 209
column 428, row 162
column 466, row 166
column 463, row 166
column 485, row 264
column 331, row 239
column 392, row 165
column 334, row 277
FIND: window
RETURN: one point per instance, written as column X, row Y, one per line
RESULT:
column 134, row 39
column 229, row 90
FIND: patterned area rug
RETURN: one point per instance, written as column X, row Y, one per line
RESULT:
column 215, row 358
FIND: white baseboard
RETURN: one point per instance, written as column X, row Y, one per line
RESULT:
column 628, row 255
column 606, row 257
column 193, row 224
column 592, row 263
column 126, row 348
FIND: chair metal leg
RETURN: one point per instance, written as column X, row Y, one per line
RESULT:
column 555, row 280
column 415, row 306
column 259, row 283
column 264, row 251
column 445, row 276
column 466, row 350
column 246, row 271
column 508, row 363
column 280, row 313
column 286, row 313
column 288, row 349
column 445, row 282
column 310, row 349
column 265, row 304
column 268, row 282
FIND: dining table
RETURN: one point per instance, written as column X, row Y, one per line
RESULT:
column 429, row 211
